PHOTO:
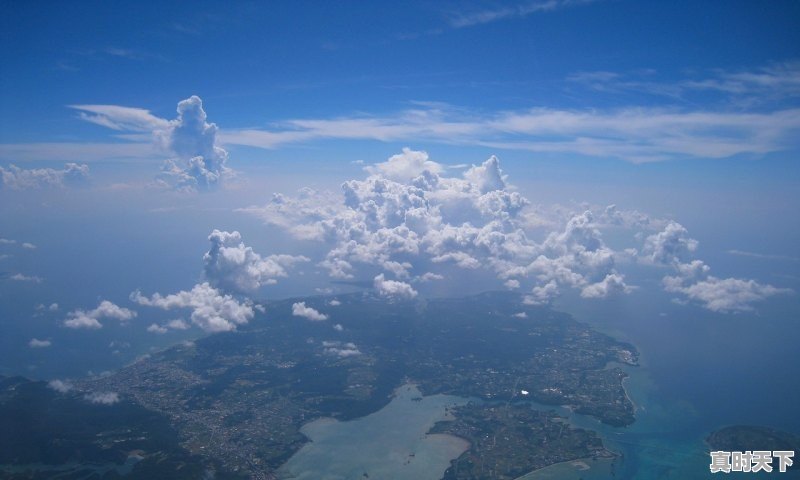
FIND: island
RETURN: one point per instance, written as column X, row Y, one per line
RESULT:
column 237, row 400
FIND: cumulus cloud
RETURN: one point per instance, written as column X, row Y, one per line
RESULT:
column 200, row 164
column 212, row 310
column 405, row 166
column 177, row 324
column 611, row 284
column 36, row 343
column 723, row 295
column 340, row 349
column 156, row 328
column 72, row 175
column 300, row 309
column 18, row 277
column 60, row 386
column 231, row 265
column 102, row 398
column 410, row 219
column 53, row 307
column 671, row 245
column 91, row 319
column 692, row 278
column 393, row 288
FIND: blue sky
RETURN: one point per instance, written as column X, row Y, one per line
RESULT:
column 685, row 115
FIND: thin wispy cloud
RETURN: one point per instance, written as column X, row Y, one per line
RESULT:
column 478, row 17
column 637, row 134
column 773, row 83
column 741, row 253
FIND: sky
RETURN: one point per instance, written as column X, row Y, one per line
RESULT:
column 165, row 167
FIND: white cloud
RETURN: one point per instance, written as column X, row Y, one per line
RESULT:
column 338, row 327
column 334, row 303
column 231, row 265
column 520, row 315
column 340, row 349
column 156, row 328
column 410, row 228
column 720, row 295
column 301, row 310
column 393, row 288
column 53, row 307
column 405, row 166
column 18, row 277
column 519, row 10
column 60, row 386
column 669, row 246
column 200, row 162
column 29, row 246
column 613, row 283
column 72, row 175
column 674, row 247
column 36, row 343
column 91, row 319
column 177, row 324
column 635, row 134
column 212, row 310
column 102, row 398
column 121, row 118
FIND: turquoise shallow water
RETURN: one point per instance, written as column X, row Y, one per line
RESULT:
column 700, row 371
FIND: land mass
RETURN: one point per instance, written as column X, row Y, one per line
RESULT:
column 237, row 400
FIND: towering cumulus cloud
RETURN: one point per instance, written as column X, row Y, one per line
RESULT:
column 407, row 222
column 200, row 163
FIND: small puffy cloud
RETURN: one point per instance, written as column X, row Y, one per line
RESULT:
column 102, row 398
column 53, row 307
column 156, row 328
column 338, row 327
column 340, row 349
column 232, row 266
column 520, row 315
column 177, row 324
column 429, row 277
column 613, row 283
column 18, row 277
column 72, row 175
column 36, row 343
column 300, row 309
column 212, row 310
column 91, row 319
column 334, row 303
column 60, row 386
column 28, row 246
column 393, row 288
column 723, row 295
